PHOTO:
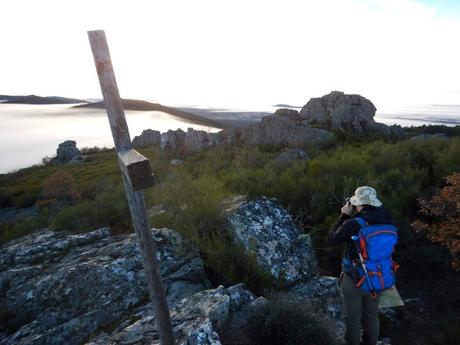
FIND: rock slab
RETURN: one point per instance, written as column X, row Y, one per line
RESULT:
column 61, row 289
column 196, row 319
column 267, row 231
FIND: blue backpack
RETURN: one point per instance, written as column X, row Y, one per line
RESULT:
column 376, row 245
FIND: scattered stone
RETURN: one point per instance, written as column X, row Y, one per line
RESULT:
column 67, row 151
column 156, row 210
column 176, row 161
column 60, row 289
column 291, row 155
column 266, row 230
column 339, row 112
column 149, row 137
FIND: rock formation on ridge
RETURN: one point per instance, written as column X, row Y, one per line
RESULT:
column 339, row 112
column 67, row 151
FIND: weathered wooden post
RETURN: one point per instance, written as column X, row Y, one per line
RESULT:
column 137, row 175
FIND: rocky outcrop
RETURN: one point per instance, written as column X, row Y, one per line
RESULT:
column 339, row 112
column 196, row 140
column 290, row 113
column 67, row 151
column 190, row 141
column 275, row 130
column 196, row 319
column 172, row 140
column 149, row 137
column 289, row 155
column 60, row 289
column 315, row 125
column 267, row 231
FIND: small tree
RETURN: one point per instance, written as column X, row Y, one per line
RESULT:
column 443, row 214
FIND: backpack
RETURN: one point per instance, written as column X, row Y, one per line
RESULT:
column 376, row 244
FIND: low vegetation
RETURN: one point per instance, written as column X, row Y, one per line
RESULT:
column 193, row 195
column 281, row 321
column 192, row 198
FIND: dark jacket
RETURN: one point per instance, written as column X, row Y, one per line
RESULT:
column 347, row 226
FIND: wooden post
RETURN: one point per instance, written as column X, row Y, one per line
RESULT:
column 137, row 174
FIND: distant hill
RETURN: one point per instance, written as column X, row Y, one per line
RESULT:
column 33, row 99
column 133, row 104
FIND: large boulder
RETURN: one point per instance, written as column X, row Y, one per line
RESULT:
column 276, row 130
column 67, row 151
column 196, row 319
column 61, row 289
column 267, row 231
column 339, row 112
column 149, row 137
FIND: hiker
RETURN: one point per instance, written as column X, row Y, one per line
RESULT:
column 359, row 305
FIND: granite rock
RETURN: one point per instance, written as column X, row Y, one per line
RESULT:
column 274, row 130
column 67, row 151
column 149, row 137
column 339, row 112
column 266, row 230
column 196, row 319
column 59, row 288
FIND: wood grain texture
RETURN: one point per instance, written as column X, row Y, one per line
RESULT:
column 109, row 89
column 135, row 171
column 137, row 168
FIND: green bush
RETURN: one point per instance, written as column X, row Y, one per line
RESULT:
column 288, row 322
column 108, row 208
column 195, row 208
column 10, row 231
column 192, row 195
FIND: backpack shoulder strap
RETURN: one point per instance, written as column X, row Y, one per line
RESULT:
column 361, row 221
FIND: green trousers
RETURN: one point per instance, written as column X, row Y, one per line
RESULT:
column 359, row 306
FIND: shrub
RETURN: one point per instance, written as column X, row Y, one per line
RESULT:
column 443, row 212
column 288, row 322
column 59, row 191
column 108, row 208
column 10, row 231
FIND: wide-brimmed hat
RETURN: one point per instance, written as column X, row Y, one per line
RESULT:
column 365, row 196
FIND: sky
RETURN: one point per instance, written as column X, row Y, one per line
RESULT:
column 236, row 53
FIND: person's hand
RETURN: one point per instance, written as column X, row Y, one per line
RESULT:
column 347, row 209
